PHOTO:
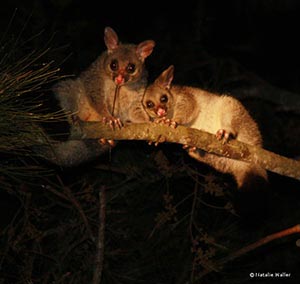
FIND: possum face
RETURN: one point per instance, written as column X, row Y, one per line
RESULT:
column 123, row 66
column 124, row 63
column 157, row 102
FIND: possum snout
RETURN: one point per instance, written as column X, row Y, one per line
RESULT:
column 161, row 112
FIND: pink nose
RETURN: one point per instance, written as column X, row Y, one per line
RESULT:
column 119, row 79
column 161, row 112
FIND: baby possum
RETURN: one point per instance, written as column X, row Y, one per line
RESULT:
column 221, row 115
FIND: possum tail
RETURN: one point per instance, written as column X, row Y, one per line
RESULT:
column 67, row 153
column 251, row 199
column 71, row 153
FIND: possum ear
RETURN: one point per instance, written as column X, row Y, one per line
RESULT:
column 111, row 39
column 144, row 49
column 165, row 78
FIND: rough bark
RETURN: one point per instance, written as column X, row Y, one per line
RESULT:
column 187, row 136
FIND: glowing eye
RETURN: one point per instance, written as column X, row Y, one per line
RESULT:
column 149, row 104
column 164, row 99
column 114, row 65
column 130, row 68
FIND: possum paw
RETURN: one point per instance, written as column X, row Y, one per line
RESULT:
column 160, row 139
column 224, row 135
column 113, row 122
column 189, row 148
column 166, row 121
column 104, row 142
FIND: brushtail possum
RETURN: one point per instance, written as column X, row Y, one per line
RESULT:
column 93, row 96
column 221, row 115
column 110, row 91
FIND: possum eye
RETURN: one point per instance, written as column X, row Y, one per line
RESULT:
column 164, row 99
column 149, row 104
column 130, row 68
column 114, row 65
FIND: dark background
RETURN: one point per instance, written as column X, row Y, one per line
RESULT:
column 261, row 35
column 223, row 46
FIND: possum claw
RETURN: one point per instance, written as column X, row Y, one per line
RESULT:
column 166, row 121
column 224, row 135
column 189, row 148
column 113, row 122
column 109, row 142
column 160, row 139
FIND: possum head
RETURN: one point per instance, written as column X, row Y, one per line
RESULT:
column 158, row 101
column 124, row 63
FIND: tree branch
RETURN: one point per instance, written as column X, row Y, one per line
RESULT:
column 281, row 234
column 155, row 132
